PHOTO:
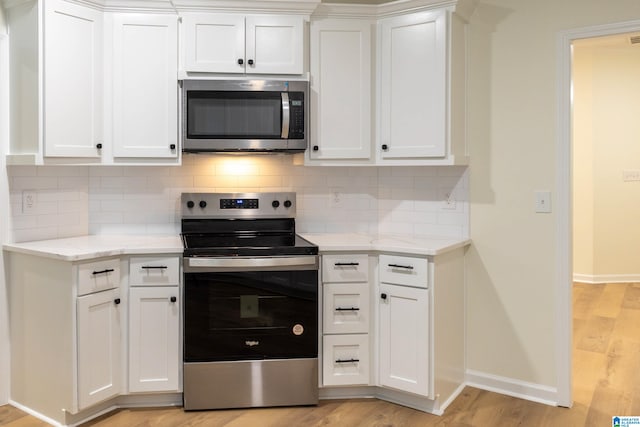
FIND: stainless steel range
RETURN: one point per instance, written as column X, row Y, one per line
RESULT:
column 250, row 303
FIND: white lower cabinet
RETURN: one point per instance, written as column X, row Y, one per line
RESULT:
column 154, row 324
column 404, row 339
column 99, row 347
column 404, row 319
column 345, row 359
column 153, row 339
column 345, row 319
column 346, row 308
column 71, row 321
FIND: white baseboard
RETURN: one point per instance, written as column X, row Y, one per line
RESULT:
column 515, row 388
column 606, row 278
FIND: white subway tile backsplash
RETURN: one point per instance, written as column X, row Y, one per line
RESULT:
column 145, row 200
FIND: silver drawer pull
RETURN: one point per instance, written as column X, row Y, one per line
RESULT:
column 346, row 264
column 108, row 270
column 408, row 267
column 149, row 267
column 347, row 360
column 347, row 309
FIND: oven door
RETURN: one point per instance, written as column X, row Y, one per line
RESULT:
column 250, row 308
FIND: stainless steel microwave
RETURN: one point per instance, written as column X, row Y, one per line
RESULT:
column 245, row 115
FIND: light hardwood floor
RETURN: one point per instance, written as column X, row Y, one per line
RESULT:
column 606, row 383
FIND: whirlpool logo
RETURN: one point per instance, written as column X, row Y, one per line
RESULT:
column 251, row 343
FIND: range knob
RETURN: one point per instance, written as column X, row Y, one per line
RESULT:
column 275, row 203
column 287, row 203
column 190, row 204
column 203, row 204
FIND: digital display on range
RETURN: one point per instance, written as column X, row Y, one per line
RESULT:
column 238, row 203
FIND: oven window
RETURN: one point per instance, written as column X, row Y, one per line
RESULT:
column 251, row 315
column 223, row 114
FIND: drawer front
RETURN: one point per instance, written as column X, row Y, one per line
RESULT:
column 98, row 276
column 345, row 308
column 345, row 268
column 154, row 271
column 345, row 360
column 404, row 270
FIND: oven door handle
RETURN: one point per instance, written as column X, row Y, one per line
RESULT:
column 233, row 264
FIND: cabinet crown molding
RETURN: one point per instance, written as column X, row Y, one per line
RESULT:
column 177, row 6
column 463, row 8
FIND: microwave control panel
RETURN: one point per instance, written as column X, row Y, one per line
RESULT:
column 296, row 110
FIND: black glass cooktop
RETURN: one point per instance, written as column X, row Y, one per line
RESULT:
column 264, row 237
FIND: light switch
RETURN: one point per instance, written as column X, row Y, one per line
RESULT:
column 543, row 201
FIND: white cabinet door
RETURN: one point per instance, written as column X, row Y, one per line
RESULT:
column 73, row 80
column 234, row 43
column 213, row 42
column 99, row 346
column 145, row 86
column 404, row 339
column 340, row 65
column 154, row 339
column 274, row 44
column 413, row 82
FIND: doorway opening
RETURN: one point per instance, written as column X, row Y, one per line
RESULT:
column 567, row 155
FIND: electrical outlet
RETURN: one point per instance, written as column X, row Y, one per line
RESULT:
column 449, row 201
column 336, row 197
column 630, row 175
column 29, row 200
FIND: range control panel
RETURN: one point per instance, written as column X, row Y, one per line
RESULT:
column 238, row 205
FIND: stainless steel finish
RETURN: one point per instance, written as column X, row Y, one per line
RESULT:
column 205, row 264
column 212, row 210
column 285, row 115
column 245, row 145
column 251, row 383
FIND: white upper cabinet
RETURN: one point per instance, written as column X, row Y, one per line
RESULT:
column 419, row 79
column 413, row 91
column 145, row 86
column 90, row 86
column 73, row 80
column 236, row 43
column 213, row 42
column 340, row 65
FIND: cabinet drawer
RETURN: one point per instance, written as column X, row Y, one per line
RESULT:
column 345, row 268
column 345, row 360
column 154, row 271
column 346, row 308
column 98, row 276
column 404, row 270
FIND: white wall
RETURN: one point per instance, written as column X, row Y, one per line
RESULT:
column 606, row 108
column 4, row 209
column 511, row 267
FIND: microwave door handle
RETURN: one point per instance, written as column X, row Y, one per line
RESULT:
column 285, row 115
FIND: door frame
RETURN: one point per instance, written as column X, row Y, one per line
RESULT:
column 564, row 176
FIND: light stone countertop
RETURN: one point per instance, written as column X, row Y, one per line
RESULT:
column 88, row 247
column 429, row 246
